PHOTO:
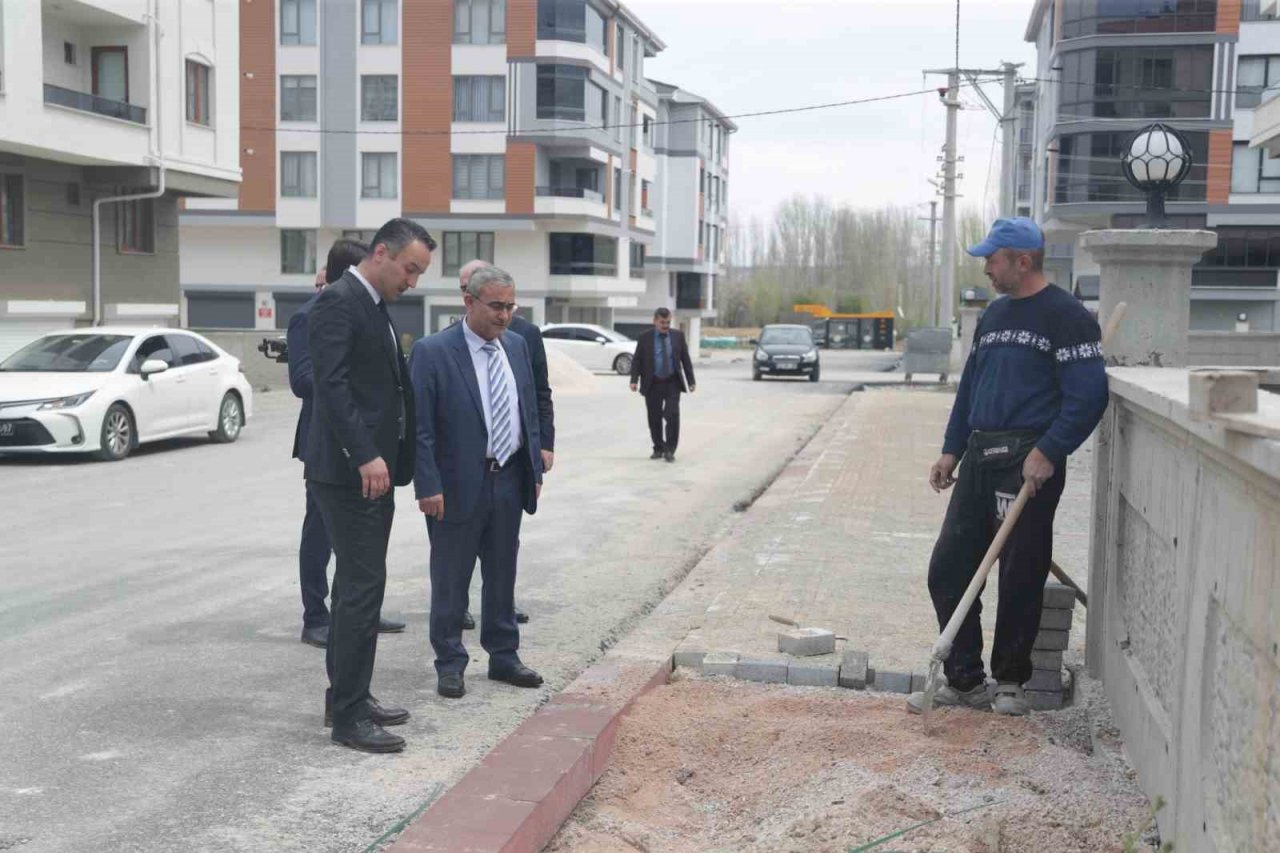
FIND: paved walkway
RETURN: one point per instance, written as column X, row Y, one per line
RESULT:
column 842, row 540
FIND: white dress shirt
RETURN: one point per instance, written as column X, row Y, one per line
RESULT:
column 480, row 361
column 377, row 300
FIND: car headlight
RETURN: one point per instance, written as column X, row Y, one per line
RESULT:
column 811, row 355
column 65, row 402
column 761, row 355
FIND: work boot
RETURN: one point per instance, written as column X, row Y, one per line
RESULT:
column 948, row 697
column 1010, row 700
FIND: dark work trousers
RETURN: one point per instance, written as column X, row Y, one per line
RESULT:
column 313, row 567
column 662, row 401
column 493, row 535
column 985, row 488
column 359, row 528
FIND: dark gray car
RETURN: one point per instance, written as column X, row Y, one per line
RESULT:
column 785, row 350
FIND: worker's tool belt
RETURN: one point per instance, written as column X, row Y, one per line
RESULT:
column 1002, row 449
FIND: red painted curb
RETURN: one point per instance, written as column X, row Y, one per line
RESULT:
column 515, row 800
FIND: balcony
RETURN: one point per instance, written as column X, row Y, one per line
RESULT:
column 570, row 192
column 94, row 104
column 1260, row 10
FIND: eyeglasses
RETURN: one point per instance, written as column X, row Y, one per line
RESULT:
column 500, row 307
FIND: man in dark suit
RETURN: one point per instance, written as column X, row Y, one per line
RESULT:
column 361, row 443
column 313, row 554
column 479, row 468
column 546, row 411
column 660, row 370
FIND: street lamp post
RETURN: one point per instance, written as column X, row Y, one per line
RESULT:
column 1156, row 160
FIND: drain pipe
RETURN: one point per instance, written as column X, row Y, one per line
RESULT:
column 156, row 157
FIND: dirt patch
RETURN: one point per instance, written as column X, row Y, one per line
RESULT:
column 710, row 764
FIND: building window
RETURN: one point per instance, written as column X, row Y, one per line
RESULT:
column 480, row 99
column 563, row 20
column 479, row 176
column 617, row 120
column 197, row 92
column 583, row 254
column 1088, row 168
column 1122, row 17
column 637, row 259
column 379, row 175
column 12, row 230
column 379, row 21
column 617, row 188
column 646, row 135
column 620, row 46
column 1137, row 82
column 138, row 226
column 461, row 247
column 562, row 92
column 1257, row 74
column 298, row 97
column 1252, row 171
column 379, row 97
column 645, row 208
column 298, row 252
column 1238, row 246
column 479, row 21
column 297, row 22
column 298, row 174
column 69, row 53
column 597, row 27
column 110, row 73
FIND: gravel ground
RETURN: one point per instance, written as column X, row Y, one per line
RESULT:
column 709, row 764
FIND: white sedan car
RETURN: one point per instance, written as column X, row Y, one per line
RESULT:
column 592, row 346
column 106, row 390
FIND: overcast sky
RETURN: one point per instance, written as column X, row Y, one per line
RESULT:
column 750, row 55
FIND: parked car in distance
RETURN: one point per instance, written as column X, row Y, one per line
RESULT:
column 592, row 346
column 105, row 390
column 785, row 350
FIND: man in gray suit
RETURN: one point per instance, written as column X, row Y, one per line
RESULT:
column 479, row 467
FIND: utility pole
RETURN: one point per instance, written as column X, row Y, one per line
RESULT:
column 1009, row 149
column 933, row 261
column 947, row 291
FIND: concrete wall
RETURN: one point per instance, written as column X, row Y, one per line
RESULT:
column 262, row 372
column 1235, row 349
column 1184, row 609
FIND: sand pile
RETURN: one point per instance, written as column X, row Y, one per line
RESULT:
column 708, row 764
column 567, row 376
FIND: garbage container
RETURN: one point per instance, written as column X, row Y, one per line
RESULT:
column 928, row 351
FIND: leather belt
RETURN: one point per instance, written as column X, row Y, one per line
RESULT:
column 491, row 465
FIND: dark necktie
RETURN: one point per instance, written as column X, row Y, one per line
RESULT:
column 663, row 371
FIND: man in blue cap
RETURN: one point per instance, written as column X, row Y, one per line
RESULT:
column 1032, row 391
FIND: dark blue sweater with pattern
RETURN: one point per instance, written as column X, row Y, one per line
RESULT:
column 1036, row 364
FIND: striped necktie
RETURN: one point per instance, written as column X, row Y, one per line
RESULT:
column 499, row 406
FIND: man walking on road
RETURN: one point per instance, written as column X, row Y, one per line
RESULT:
column 360, row 446
column 660, row 370
column 479, row 468
column 1032, row 391
column 314, row 551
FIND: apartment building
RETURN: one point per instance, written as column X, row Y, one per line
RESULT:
column 691, row 194
column 101, row 99
column 523, row 132
column 1105, row 70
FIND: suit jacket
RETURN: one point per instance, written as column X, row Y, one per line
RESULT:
column 538, row 358
column 642, row 363
column 300, row 373
column 452, row 436
column 360, row 389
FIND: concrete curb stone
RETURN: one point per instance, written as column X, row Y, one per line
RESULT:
column 766, row 670
column 813, row 674
column 720, row 663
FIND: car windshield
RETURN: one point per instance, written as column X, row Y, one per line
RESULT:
column 88, row 353
column 799, row 337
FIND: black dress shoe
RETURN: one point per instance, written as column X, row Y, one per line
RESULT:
column 521, row 616
column 670, row 456
column 386, row 626
column 317, row 636
column 657, row 454
column 451, row 686
column 380, row 714
column 468, row 623
column 519, row 675
column 367, row 736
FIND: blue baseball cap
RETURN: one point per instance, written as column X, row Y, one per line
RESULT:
column 1018, row 232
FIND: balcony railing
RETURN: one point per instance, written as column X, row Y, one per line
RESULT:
column 603, row 268
column 571, row 192
column 94, row 104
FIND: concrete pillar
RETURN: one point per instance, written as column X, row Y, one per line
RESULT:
column 969, row 315
column 1151, row 271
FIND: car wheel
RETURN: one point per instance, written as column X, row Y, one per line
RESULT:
column 755, row 376
column 117, row 436
column 230, row 420
column 813, row 377
column 622, row 365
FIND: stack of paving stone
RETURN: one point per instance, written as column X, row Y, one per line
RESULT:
column 1049, row 689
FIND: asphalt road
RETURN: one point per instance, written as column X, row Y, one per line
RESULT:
column 155, row 695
